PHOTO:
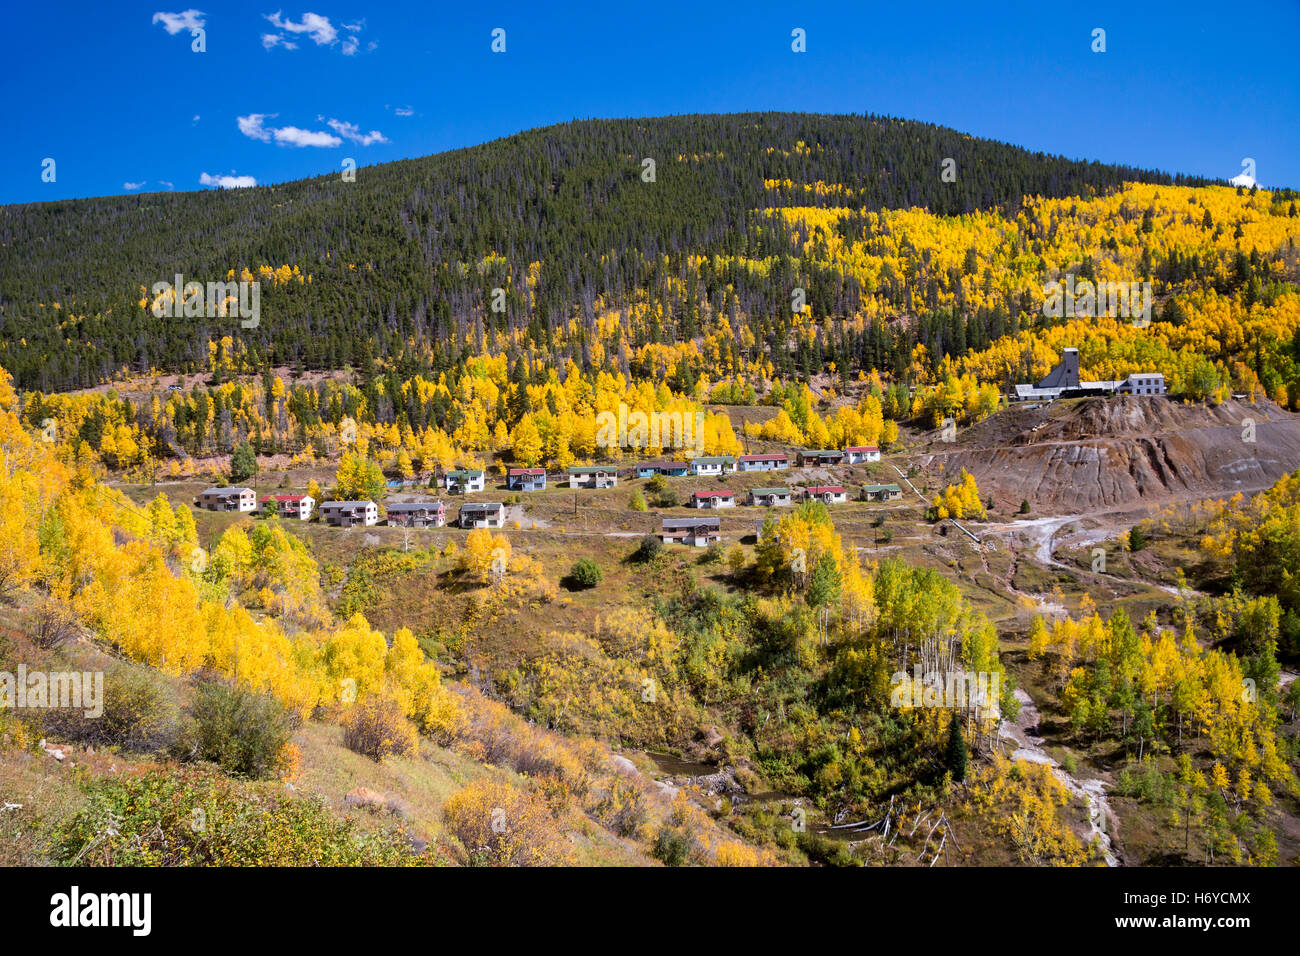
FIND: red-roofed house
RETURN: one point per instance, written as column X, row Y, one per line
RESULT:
column 526, row 479
column 828, row 494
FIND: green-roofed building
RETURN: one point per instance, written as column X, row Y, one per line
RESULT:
column 881, row 492
column 769, row 497
column 713, row 465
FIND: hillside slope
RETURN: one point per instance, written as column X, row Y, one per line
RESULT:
column 410, row 251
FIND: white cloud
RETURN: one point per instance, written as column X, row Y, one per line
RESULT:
column 293, row 136
column 174, row 23
column 253, row 127
column 318, row 28
column 196, row 118
column 353, row 132
column 163, row 182
column 227, row 182
column 132, row 185
column 404, row 111
column 1245, row 180
column 270, row 40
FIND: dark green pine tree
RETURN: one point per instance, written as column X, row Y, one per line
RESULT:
column 955, row 755
column 243, row 463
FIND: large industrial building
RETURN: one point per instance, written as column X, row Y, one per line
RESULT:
column 1063, row 382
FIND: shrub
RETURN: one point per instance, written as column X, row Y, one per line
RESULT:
column 731, row 853
column 377, row 728
column 1137, row 539
column 820, row 848
column 667, row 499
column 637, row 501
column 712, row 554
column 648, row 549
column 190, row 817
column 585, row 573
column 673, row 847
column 56, row 623
column 138, row 713
column 243, row 732
column 498, row 825
column 622, row 809
column 656, row 484
column 1024, row 506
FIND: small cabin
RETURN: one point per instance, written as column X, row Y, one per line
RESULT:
column 713, row 499
column 769, row 497
column 713, row 465
column 881, row 492
column 818, row 458
column 673, row 469
column 768, row 462
column 855, row 454
column 826, row 494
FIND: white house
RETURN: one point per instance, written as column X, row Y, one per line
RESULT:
column 827, row 494
column 713, row 499
column 769, row 497
column 1143, row 383
column 858, row 453
column 463, row 481
column 718, row 465
column 593, row 476
column 227, row 499
column 345, row 514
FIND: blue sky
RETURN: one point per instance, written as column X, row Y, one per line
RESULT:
column 114, row 98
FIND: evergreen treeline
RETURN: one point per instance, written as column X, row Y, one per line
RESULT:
column 410, row 251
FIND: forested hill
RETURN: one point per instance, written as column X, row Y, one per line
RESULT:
column 408, row 253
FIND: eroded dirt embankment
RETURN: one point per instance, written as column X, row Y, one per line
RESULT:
column 1080, row 455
